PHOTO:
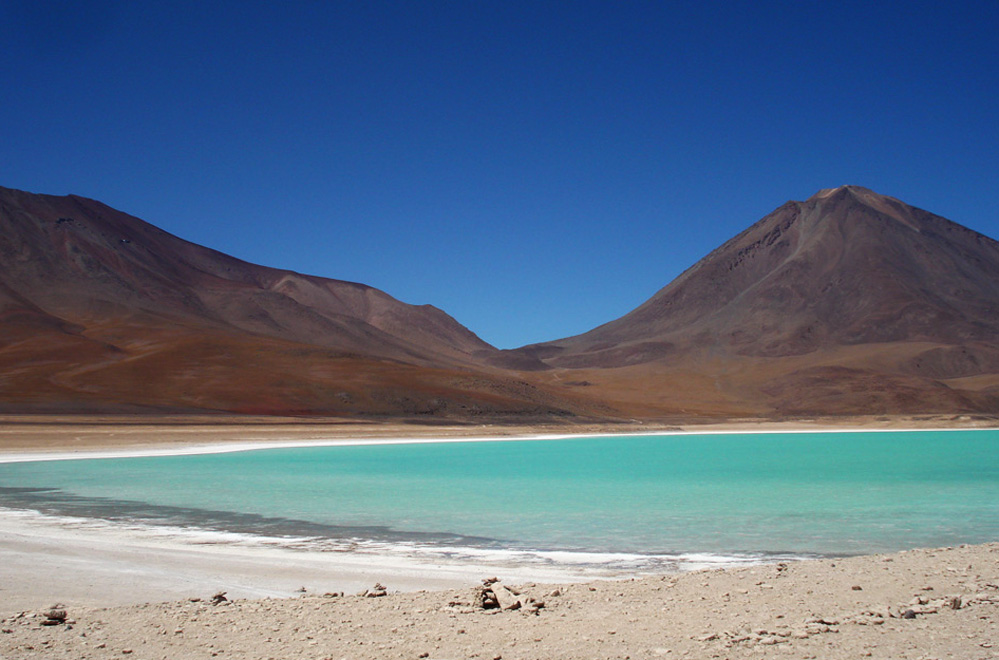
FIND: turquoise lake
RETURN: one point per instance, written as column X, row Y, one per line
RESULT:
column 730, row 496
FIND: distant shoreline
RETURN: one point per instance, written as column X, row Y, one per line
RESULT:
column 226, row 448
column 62, row 437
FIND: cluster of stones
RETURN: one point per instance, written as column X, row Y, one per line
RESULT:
column 376, row 591
column 54, row 616
column 919, row 605
column 495, row 596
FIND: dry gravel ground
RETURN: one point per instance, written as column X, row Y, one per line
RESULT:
column 842, row 608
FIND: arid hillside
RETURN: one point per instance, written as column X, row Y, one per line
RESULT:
column 849, row 302
column 102, row 311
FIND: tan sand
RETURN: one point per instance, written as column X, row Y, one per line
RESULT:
column 845, row 608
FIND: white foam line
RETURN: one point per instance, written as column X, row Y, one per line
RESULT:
column 226, row 448
column 577, row 563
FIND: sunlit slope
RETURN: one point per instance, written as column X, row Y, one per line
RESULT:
column 100, row 310
column 848, row 302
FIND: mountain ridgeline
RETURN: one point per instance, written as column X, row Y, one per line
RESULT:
column 846, row 267
column 102, row 311
column 847, row 303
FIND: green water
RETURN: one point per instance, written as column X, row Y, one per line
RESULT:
column 724, row 495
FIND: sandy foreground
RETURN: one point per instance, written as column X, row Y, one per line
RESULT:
column 918, row 604
column 130, row 593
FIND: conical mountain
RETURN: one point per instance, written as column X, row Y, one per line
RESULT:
column 100, row 309
column 827, row 283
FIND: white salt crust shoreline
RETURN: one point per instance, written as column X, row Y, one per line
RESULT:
column 150, row 551
column 292, row 443
column 90, row 562
column 163, row 564
column 78, row 563
column 535, row 565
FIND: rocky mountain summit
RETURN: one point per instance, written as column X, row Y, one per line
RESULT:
column 845, row 267
column 848, row 301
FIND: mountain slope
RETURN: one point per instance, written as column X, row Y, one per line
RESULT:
column 86, row 261
column 848, row 292
column 98, row 308
column 847, row 303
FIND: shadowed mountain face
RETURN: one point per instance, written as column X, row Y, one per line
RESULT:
column 98, row 308
column 849, row 298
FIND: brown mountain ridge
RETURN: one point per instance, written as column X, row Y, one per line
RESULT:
column 100, row 310
column 847, row 303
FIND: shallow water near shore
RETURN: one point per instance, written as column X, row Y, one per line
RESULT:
column 631, row 502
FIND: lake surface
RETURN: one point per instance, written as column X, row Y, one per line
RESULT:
column 632, row 501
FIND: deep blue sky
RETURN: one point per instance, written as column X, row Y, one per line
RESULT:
column 533, row 168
